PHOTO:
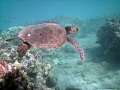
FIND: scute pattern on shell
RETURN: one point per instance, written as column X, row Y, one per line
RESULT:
column 47, row 35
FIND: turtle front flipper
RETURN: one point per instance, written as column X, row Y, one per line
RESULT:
column 77, row 47
column 22, row 48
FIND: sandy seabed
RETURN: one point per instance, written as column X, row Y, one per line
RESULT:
column 94, row 74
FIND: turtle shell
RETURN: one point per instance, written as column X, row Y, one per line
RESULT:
column 47, row 35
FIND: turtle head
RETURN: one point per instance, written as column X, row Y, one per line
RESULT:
column 71, row 29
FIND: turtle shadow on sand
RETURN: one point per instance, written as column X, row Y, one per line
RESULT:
column 47, row 34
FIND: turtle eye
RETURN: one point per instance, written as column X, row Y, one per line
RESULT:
column 77, row 29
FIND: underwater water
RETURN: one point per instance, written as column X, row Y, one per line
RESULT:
column 61, row 68
column 14, row 12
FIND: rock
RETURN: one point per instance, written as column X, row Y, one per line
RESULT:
column 72, row 88
column 51, row 80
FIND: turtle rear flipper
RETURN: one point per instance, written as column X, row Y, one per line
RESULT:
column 12, row 39
column 77, row 47
column 22, row 49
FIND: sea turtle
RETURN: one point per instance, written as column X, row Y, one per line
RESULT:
column 47, row 35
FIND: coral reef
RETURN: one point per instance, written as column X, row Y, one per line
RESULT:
column 11, row 78
column 45, row 77
column 8, row 53
column 17, row 65
column 32, row 64
column 109, row 37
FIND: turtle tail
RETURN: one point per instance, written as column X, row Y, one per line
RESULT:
column 12, row 39
column 22, row 49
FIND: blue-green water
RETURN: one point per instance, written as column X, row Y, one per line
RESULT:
column 99, row 41
column 16, row 12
